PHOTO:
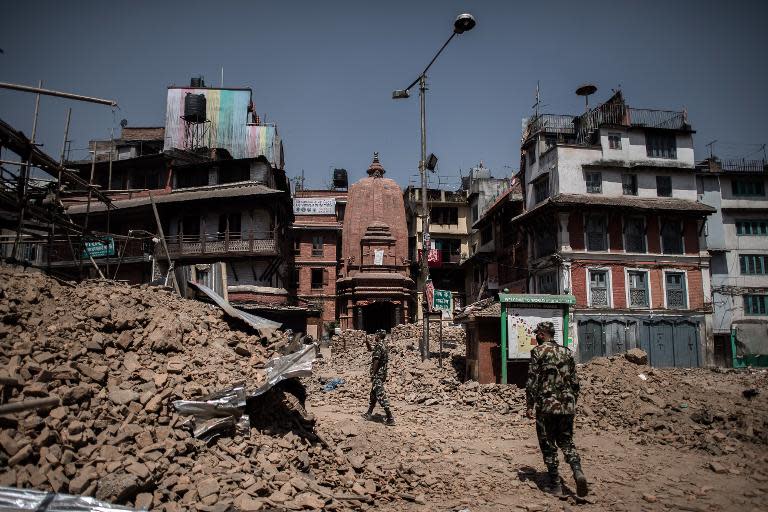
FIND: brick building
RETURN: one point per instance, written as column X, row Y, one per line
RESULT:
column 317, row 235
column 612, row 217
column 374, row 289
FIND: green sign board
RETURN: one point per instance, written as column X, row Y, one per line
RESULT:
column 442, row 300
column 100, row 247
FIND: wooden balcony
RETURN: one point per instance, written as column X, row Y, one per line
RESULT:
column 221, row 244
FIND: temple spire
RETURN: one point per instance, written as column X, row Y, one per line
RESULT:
column 376, row 170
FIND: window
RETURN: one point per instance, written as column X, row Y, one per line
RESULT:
column 638, row 289
column 744, row 187
column 318, row 276
column 629, row 184
column 550, row 141
column 190, row 227
column 548, row 283
column 595, row 182
column 756, row 304
column 544, row 242
column 664, row 186
column 450, row 249
column 676, row 293
column 486, row 235
column 634, row 234
column 475, row 213
column 229, row 224
column 444, row 215
column 317, row 245
column 597, row 237
column 752, row 227
column 660, row 145
column 541, row 189
column 753, row 264
column 672, row 237
column 614, row 141
column 598, row 288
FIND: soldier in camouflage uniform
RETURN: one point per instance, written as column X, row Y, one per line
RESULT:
column 552, row 390
column 378, row 377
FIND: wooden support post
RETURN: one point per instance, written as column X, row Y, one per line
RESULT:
column 171, row 270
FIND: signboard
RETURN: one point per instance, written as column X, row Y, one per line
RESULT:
column 99, row 248
column 314, row 205
column 520, row 325
column 442, row 300
column 434, row 258
column 378, row 257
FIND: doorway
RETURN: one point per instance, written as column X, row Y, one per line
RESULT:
column 378, row 315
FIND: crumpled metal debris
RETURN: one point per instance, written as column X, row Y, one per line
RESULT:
column 225, row 409
column 257, row 322
column 13, row 499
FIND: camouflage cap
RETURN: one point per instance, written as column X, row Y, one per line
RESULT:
column 545, row 327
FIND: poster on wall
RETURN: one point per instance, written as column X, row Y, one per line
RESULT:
column 378, row 257
column 520, row 325
column 314, row 205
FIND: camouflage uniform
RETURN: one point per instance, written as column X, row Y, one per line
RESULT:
column 380, row 352
column 552, row 389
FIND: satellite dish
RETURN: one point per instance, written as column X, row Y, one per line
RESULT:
column 123, row 123
column 586, row 90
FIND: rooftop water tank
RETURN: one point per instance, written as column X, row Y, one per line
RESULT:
column 197, row 82
column 194, row 108
column 340, row 178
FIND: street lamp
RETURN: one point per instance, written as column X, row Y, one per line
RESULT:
column 463, row 23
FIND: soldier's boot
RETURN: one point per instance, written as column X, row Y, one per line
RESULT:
column 389, row 420
column 553, row 485
column 581, row 480
column 368, row 415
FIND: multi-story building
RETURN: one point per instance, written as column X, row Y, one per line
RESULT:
column 737, row 239
column 498, row 258
column 449, row 239
column 222, row 198
column 317, row 236
column 612, row 217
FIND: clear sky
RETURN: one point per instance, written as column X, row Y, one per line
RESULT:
column 325, row 71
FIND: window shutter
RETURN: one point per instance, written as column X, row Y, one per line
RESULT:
column 325, row 276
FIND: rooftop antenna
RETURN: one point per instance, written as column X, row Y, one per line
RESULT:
column 536, row 105
column 586, row 90
column 711, row 147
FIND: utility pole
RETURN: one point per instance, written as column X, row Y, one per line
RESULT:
column 426, row 242
column 711, row 146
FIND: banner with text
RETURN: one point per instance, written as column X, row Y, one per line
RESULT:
column 314, row 205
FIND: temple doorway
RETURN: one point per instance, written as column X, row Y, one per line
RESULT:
column 378, row 315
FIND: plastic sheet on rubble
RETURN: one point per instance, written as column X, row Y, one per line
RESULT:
column 12, row 498
column 225, row 409
column 333, row 384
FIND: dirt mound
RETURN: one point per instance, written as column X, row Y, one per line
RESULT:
column 687, row 408
column 106, row 360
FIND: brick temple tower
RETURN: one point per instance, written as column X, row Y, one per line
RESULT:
column 374, row 290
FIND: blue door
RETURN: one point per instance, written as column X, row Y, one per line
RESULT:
column 591, row 340
column 661, row 352
column 687, row 345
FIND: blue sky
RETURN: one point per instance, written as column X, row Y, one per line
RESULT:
column 324, row 71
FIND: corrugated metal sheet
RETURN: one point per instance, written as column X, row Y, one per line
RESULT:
column 227, row 111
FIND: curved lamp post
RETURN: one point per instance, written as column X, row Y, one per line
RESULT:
column 463, row 23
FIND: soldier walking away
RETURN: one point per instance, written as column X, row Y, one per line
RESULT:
column 552, row 390
column 378, row 377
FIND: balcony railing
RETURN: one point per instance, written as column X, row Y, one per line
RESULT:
column 245, row 242
column 549, row 123
column 746, row 166
column 663, row 119
column 126, row 249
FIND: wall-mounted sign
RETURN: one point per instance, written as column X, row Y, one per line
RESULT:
column 100, row 247
column 378, row 257
column 314, row 205
column 442, row 300
column 520, row 325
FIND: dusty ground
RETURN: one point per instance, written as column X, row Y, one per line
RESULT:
column 454, row 457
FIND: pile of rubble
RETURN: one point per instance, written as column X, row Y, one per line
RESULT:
column 89, row 374
column 410, row 379
column 686, row 408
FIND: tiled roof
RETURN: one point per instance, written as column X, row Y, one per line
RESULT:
column 486, row 308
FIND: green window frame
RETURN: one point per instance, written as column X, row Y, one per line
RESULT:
column 753, row 264
column 756, row 304
column 752, row 227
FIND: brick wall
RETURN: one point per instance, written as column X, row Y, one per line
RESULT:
column 580, row 282
column 619, row 286
column 579, row 285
